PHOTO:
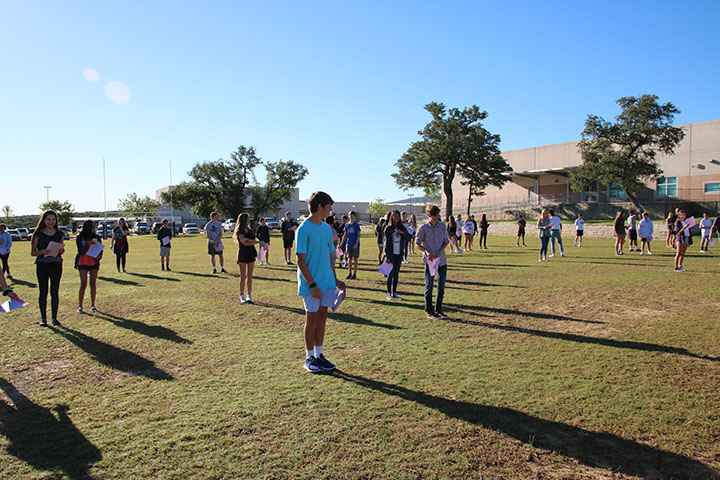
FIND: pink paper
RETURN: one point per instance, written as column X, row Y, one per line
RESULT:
column 386, row 268
column 13, row 304
column 432, row 265
column 339, row 252
column 262, row 253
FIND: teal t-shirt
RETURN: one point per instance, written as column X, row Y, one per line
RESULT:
column 316, row 242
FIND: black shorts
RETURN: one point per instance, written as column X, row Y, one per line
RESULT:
column 288, row 243
column 579, row 233
column 212, row 251
column 683, row 239
column 632, row 234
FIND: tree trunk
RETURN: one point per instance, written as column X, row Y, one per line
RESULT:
column 448, row 177
column 633, row 199
column 469, row 199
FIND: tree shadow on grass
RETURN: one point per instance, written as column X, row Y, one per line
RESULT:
column 338, row 316
column 475, row 310
column 594, row 449
column 44, row 440
column 114, row 357
column 155, row 331
column 120, row 281
column 572, row 337
column 150, row 276
column 24, row 283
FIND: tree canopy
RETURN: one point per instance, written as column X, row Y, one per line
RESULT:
column 64, row 210
column 135, row 204
column 453, row 142
column 623, row 152
column 281, row 178
column 378, row 208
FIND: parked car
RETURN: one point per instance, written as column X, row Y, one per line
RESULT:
column 24, row 233
column 301, row 219
column 100, row 229
column 66, row 232
column 14, row 234
column 142, row 228
column 229, row 225
column 191, row 228
column 272, row 223
column 156, row 227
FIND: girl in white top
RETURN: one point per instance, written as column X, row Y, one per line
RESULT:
column 705, row 230
column 645, row 231
column 468, row 231
column 412, row 229
column 579, row 230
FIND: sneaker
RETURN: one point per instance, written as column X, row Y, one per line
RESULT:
column 43, row 323
column 396, row 297
column 248, row 299
column 540, row 259
column 524, row 245
column 214, row 271
column 574, row 244
column 80, row 310
column 641, row 253
column 290, row 263
column 389, row 297
column 649, row 253
column 551, row 255
column 679, row 269
column 93, row 309
column 56, row 323
column 9, row 276
column 118, row 270
column 242, row 299
column 222, row 270
column 405, row 261
column 432, row 315
column 168, row 269
column 311, row 365
column 354, row 276
column 325, row 364
column 124, row 271
column 441, row 315
column 349, row 276
column 562, row 254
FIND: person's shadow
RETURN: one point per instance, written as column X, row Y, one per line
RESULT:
column 155, row 331
column 594, row 449
column 44, row 440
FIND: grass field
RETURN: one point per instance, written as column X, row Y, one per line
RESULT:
column 589, row 366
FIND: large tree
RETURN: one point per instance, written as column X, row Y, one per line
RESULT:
column 378, row 208
column 281, row 178
column 135, row 204
column 453, row 142
column 64, row 210
column 624, row 152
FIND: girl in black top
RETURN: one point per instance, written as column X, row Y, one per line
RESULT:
column 263, row 235
column 483, row 231
column 396, row 237
column 452, row 232
column 380, row 236
column 120, row 244
column 619, row 232
column 85, row 264
column 47, row 267
column 245, row 238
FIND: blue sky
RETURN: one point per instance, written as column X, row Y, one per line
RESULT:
column 338, row 86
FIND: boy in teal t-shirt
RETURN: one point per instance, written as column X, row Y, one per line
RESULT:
column 317, row 282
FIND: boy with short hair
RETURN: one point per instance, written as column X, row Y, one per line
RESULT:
column 521, row 223
column 431, row 239
column 164, row 235
column 632, row 231
column 213, row 231
column 706, row 231
column 556, row 233
column 263, row 235
column 317, row 282
column 352, row 240
column 5, row 246
column 579, row 230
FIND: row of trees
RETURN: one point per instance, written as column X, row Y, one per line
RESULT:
column 622, row 152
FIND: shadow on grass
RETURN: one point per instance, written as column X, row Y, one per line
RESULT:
column 119, row 281
column 113, row 357
column 155, row 331
column 340, row 317
column 23, row 283
column 475, row 310
column 195, row 274
column 150, row 276
column 454, row 283
column 594, row 449
column 44, row 440
column 608, row 342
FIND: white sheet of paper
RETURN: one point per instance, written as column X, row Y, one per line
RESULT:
column 262, row 253
column 12, row 304
column 165, row 241
column 54, row 248
column 95, row 250
column 386, row 268
column 691, row 222
column 219, row 247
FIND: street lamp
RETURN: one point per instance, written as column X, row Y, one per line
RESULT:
column 47, row 192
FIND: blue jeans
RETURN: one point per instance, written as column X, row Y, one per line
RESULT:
column 556, row 234
column 429, row 280
column 543, row 245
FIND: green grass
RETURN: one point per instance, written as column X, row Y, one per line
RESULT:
column 589, row 366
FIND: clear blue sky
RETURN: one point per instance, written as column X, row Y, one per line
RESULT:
column 338, row 86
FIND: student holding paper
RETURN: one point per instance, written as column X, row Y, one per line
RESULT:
column 706, row 232
column 5, row 246
column 119, row 244
column 432, row 238
column 263, row 235
column 317, row 282
column 47, row 246
column 245, row 238
column 396, row 239
column 682, row 239
column 164, row 235
column 87, row 264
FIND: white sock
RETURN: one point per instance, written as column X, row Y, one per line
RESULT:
column 309, row 353
column 318, row 351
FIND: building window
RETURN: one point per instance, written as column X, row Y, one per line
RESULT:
column 666, row 187
column 712, row 187
column 616, row 192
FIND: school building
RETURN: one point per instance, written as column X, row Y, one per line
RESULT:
column 540, row 177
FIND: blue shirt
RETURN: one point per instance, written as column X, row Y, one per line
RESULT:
column 353, row 231
column 316, row 242
column 215, row 229
column 5, row 243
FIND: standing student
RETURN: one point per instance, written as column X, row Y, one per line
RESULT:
column 682, row 239
column 521, row 223
column 452, row 234
column 632, row 230
column 380, row 237
column 405, row 223
column 458, row 233
column 119, row 244
column 330, row 220
column 47, row 267
column 619, row 232
column 544, row 226
column 556, row 233
column 246, row 255
column 432, row 238
column 86, row 265
column 352, row 249
column 396, row 237
column 5, row 246
column 317, row 282
column 670, row 223
column 213, row 231
column 706, row 232
column 287, row 229
column 483, row 226
column 263, row 235
column 340, row 229
column 579, row 230
column 645, row 230
column 412, row 230
column 164, row 235
column 468, row 232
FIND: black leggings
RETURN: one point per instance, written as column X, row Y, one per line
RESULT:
column 5, row 266
column 392, row 279
column 120, row 258
column 50, row 271
column 483, row 238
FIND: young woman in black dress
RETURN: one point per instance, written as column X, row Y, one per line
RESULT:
column 245, row 238
column 48, row 267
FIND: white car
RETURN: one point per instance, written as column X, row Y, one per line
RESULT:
column 191, row 228
column 142, row 228
column 229, row 225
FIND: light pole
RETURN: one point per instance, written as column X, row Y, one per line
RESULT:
column 47, row 193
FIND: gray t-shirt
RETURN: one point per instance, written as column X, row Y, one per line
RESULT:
column 214, row 229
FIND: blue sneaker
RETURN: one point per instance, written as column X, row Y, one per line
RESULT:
column 324, row 363
column 311, row 365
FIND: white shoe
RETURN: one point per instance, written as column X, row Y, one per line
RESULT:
column 649, row 253
column 242, row 299
column 80, row 310
column 389, row 296
column 551, row 255
column 641, row 253
column 562, row 254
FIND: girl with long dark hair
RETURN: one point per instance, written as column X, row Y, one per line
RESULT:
column 452, row 234
column 86, row 265
column 543, row 225
column 245, row 238
column 120, row 244
column 682, row 239
column 48, row 263
column 483, row 227
column 619, row 232
column 396, row 236
column 380, row 235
